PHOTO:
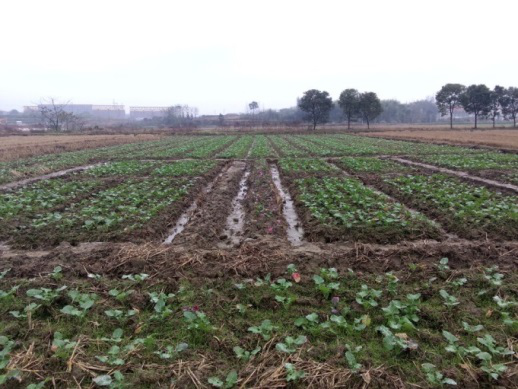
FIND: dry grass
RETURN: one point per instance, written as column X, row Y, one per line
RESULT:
column 506, row 139
column 15, row 147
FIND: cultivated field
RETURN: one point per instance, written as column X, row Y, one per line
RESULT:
column 504, row 139
column 15, row 147
column 260, row 261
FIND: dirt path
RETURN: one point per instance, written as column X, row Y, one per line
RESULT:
column 207, row 222
column 294, row 231
column 27, row 181
column 458, row 174
column 236, row 219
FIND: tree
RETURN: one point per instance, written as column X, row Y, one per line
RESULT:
column 369, row 106
column 476, row 100
column 509, row 103
column 495, row 96
column 221, row 120
column 317, row 105
column 53, row 115
column 349, row 101
column 448, row 98
column 253, row 106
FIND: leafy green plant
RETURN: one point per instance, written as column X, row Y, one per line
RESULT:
column 85, row 301
column 308, row 322
column 114, row 381
column 351, row 357
column 197, row 322
column 367, row 297
column 245, row 355
column 62, row 347
column 326, row 282
column 265, row 329
column 230, row 381
column 292, row 374
column 45, row 294
column 449, row 300
column 161, row 308
column 137, row 278
column 172, row 352
column 291, row 344
column 435, row 377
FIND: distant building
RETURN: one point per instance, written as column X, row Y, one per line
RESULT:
column 85, row 110
column 140, row 113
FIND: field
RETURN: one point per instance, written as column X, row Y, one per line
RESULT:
column 260, row 260
column 504, row 139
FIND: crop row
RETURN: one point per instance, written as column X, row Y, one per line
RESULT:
column 262, row 148
column 211, row 146
column 296, row 166
column 372, row 165
column 348, row 209
column 239, row 149
column 480, row 161
column 285, row 148
column 472, row 211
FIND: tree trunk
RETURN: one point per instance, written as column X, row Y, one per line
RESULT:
column 348, row 123
column 368, row 124
column 494, row 121
column 476, row 117
column 451, row 118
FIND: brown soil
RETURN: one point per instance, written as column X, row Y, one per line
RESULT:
column 254, row 258
column 15, row 147
column 263, row 205
column 208, row 222
column 505, row 139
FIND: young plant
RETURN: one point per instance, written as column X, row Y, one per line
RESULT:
column 172, row 352
column 396, row 342
column 290, row 344
column 265, row 329
column 366, row 297
column 351, row 357
column 57, row 273
column 245, row 355
column 85, row 301
column 308, row 322
column 45, row 294
column 114, row 381
column 325, row 282
column 292, row 374
column 120, row 295
column 137, row 278
column 61, row 347
column 230, row 381
column 435, row 377
column 443, row 265
column 493, row 277
column 197, row 322
column 449, row 300
column 161, row 308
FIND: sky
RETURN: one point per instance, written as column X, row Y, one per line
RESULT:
column 221, row 55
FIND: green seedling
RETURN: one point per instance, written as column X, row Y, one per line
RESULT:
column 114, row 381
column 308, row 322
column 494, row 278
column 435, row 377
column 245, row 355
column 197, row 322
column 366, row 297
column 292, row 374
column 291, row 344
column 85, row 301
column 230, row 381
column 137, row 278
column 44, row 294
column 172, row 352
column 120, row 314
column 120, row 295
column 443, row 265
column 351, row 357
column 265, row 329
column 449, row 300
column 161, row 308
column 62, row 347
column 472, row 328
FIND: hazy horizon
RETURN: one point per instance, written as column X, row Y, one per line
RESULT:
column 219, row 56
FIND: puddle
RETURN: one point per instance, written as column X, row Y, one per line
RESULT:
column 236, row 219
column 27, row 181
column 187, row 215
column 294, row 230
column 496, row 184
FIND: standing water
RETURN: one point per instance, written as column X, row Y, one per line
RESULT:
column 236, row 219
column 294, row 231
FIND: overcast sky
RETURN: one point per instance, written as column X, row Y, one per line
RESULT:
column 220, row 55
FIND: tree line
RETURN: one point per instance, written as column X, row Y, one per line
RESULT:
column 478, row 100
column 317, row 106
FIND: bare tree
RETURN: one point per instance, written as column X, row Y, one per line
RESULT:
column 53, row 115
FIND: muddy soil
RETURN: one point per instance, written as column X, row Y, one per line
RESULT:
column 254, row 258
column 206, row 226
column 263, row 205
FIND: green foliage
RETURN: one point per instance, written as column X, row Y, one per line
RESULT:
column 230, row 381
column 290, row 344
column 435, row 377
column 265, row 329
column 292, row 374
